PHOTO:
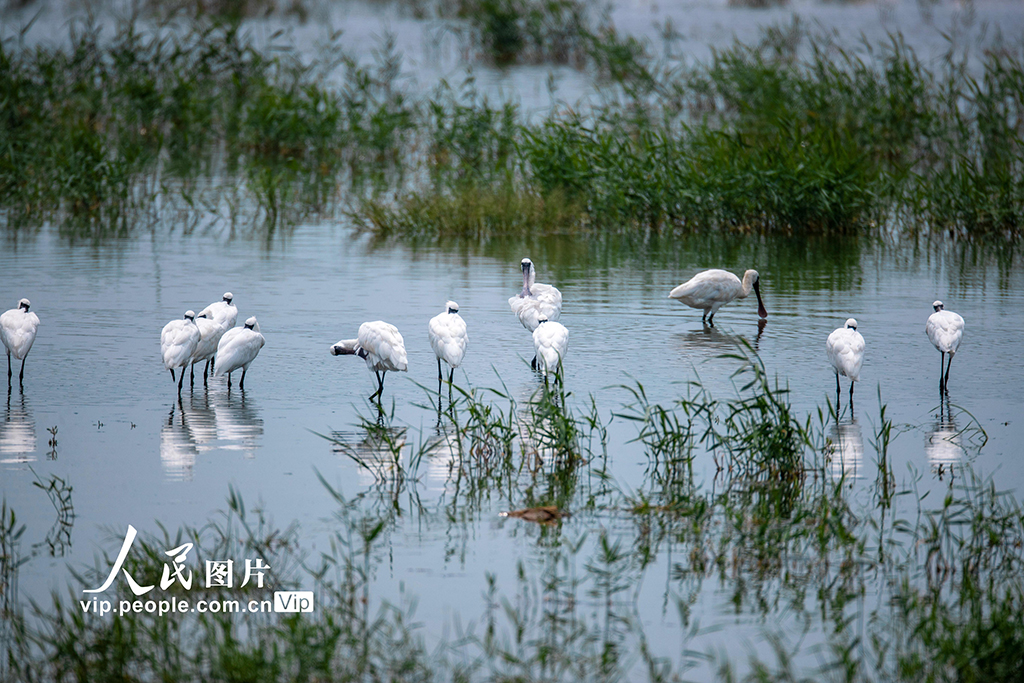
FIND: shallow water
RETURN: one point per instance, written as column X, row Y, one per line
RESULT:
column 134, row 455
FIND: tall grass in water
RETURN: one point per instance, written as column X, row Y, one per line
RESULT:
column 792, row 135
column 770, row 548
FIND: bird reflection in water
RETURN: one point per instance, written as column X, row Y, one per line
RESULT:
column 943, row 443
column 205, row 422
column 844, row 452
column 714, row 339
column 17, row 432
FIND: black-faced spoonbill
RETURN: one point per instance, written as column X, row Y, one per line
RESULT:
column 178, row 341
column 535, row 300
column 550, row 340
column 712, row 289
column 223, row 312
column 381, row 345
column 210, row 333
column 945, row 330
column 18, row 333
column 845, row 349
column 448, row 338
column 238, row 348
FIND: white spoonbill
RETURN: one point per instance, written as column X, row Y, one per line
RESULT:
column 551, row 340
column 712, row 289
column 945, row 330
column 210, row 333
column 448, row 338
column 18, row 332
column 536, row 300
column 223, row 312
column 845, row 349
column 238, row 348
column 381, row 345
column 178, row 341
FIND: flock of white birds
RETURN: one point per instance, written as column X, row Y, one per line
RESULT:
column 212, row 337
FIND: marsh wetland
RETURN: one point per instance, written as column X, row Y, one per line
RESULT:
column 723, row 518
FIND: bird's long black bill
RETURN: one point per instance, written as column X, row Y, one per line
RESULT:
column 761, row 311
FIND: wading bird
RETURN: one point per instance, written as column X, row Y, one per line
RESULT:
column 550, row 340
column 536, row 300
column 238, row 348
column 178, row 341
column 945, row 330
column 222, row 312
column 18, row 332
column 845, row 349
column 210, row 333
column 448, row 338
column 381, row 345
column 712, row 289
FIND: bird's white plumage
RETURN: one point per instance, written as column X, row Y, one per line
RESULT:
column 448, row 337
column 239, row 347
column 223, row 312
column 178, row 341
column 18, row 330
column 382, row 346
column 550, row 340
column 210, row 333
column 712, row 289
column 945, row 329
column 536, row 300
column 845, row 349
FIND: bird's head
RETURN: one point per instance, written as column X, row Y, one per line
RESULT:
column 937, row 305
column 228, row 296
column 851, row 324
column 190, row 315
column 452, row 307
column 541, row 320
column 251, row 324
column 529, row 275
column 24, row 305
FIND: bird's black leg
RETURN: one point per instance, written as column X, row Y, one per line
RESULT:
column 439, row 375
column 380, row 386
column 9, row 373
column 213, row 359
column 942, row 362
column 241, row 382
column 205, row 370
column 192, row 375
column 838, row 393
column 173, row 378
column 451, row 375
column 948, row 364
column 181, row 380
column 229, row 380
column 533, row 363
column 711, row 320
column 21, row 375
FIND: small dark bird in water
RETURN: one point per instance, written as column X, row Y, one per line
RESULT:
column 547, row 514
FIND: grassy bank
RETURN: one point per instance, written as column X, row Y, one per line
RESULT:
column 794, row 135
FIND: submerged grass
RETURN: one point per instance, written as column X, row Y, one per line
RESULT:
column 910, row 592
column 792, row 135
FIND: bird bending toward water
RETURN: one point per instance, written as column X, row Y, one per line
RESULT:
column 845, row 349
column 712, row 289
column 536, row 300
column 551, row 340
column 945, row 330
column 448, row 338
column 381, row 345
column 18, row 333
column 178, row 341
column 238, row 348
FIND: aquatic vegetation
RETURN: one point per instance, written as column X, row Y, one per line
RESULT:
column 793, row 134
